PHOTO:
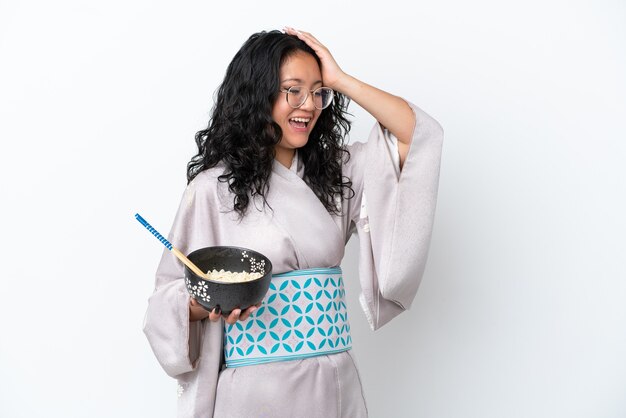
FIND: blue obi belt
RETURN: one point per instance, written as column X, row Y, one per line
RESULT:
column 303, row 315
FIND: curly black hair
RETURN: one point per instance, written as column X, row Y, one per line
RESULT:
column 242, row 134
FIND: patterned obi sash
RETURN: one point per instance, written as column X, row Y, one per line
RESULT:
column 303, row 315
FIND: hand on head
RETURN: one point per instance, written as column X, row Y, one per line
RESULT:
column 331, row 72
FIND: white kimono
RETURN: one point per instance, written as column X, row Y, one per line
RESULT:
column 392, row 212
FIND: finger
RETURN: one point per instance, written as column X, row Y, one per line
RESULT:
column 308, row 37
column 291, row 30
column 246, row 314
column 305, row 36
column 298, row 31
column 215, row 314
column 234, row 316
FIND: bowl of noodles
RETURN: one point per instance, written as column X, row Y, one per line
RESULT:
column 236, row 277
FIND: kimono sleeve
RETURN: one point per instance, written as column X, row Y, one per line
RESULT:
column 394, row 214
column 175, row 341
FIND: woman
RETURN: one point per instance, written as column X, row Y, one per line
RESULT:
column 272, row 173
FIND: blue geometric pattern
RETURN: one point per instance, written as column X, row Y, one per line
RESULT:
column 303, row 315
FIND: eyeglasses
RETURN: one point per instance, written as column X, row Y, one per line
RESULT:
column 297, row 95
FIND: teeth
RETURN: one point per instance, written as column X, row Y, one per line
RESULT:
column 305, row 120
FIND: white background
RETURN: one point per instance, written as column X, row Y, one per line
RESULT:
column 522, row 310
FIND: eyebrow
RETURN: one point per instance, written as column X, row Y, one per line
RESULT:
column 300, row 81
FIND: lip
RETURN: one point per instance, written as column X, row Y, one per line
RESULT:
column 300, row 130
column 302, row 115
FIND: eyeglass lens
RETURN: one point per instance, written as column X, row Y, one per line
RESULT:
column 322, row 97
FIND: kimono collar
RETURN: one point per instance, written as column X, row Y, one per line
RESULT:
column 304, row 218
column 296, row 169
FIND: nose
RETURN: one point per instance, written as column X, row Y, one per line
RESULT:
column 308, row 104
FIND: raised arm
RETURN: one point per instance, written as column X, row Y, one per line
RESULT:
column 390, row 111
column 395, row 220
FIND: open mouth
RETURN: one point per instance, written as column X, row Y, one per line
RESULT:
column 299, row 123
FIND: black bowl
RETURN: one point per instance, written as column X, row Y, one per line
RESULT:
column 228, row 296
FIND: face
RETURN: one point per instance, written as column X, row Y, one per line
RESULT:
column 300, row 69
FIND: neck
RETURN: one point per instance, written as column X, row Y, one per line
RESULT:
column 285, row 156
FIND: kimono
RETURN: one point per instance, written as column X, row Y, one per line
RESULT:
column 392, row 211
